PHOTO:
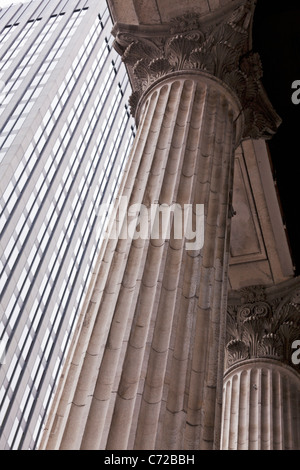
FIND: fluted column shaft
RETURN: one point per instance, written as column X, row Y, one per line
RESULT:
column 149, row 374
column 147, row 367
column 261, row 407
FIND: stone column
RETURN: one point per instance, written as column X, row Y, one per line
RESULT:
column 261, row 402
column 147, row 368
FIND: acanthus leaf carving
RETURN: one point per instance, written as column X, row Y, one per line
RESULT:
column 141, row 71
column 133, row 101
column 179, row 49
column 141, row 49
column 237, row 350
column 270, row 345
column 159, row 67
column 201, row 59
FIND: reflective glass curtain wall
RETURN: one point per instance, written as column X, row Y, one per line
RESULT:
column 65, row 134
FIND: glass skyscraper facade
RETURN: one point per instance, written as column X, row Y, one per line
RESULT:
column 65, row 135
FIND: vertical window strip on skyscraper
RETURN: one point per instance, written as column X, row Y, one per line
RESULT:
column 22, row 176
column 7, row 32
column 24, row 66
column 10, row 130
column 22, row 172
column 30, row 160
column 40, row 191
column 19, row 43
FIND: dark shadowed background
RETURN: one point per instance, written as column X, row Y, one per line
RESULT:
column 276, row 37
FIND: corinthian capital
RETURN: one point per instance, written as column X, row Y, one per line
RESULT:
column 263, row 323
column 218, row 45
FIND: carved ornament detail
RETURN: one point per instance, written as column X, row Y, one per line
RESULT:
column 260, row 326
column 220, row 49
